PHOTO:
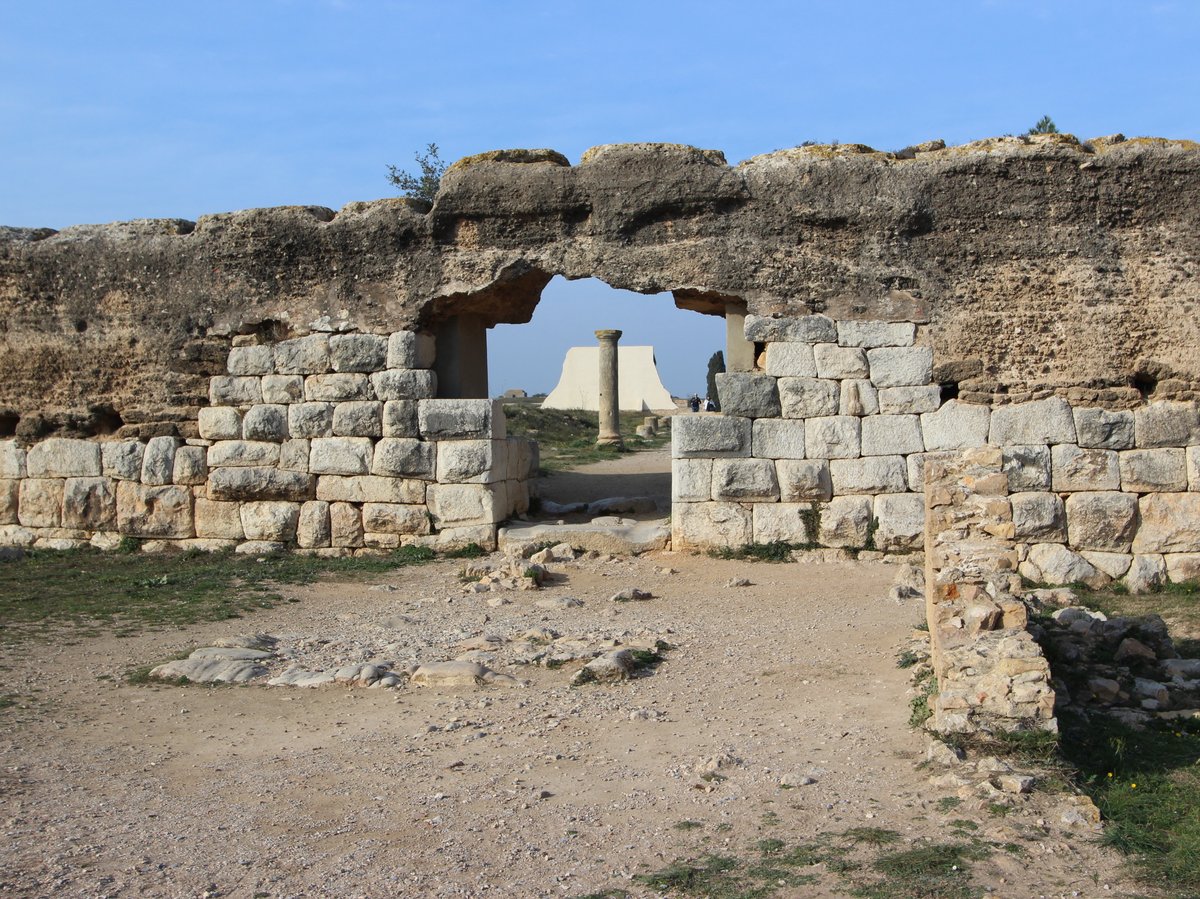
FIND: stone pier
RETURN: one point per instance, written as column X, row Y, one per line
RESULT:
column 610, row 423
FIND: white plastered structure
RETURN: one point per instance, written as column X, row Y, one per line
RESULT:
column 640, row 389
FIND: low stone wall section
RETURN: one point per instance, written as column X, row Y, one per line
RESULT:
column 825, row 443
column 331, row 443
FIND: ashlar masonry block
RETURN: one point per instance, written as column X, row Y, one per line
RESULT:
column 710, row 436
column 312, row 528
column 258, row 483
column 777, row 438
column 872, row 334
column 10, row 491
column 691, row 480
column 1075, row 468
column 845, row 521
column 337, row 388
column 710, row 525
column 912, row 401
column 340, row 455
column 885, row 435
column 832, row 437
column 164, row 512
column 220, row 423
column 900, row 519
column 1102, row 521
column 12, row 460
column 270, row 520
column 871, row 474
column 283, row 389
column 1040, row 421
column 745, row 480
column 234, row 391
column 472, row 461
column 455, row 505
column 956, row 426
column 400, row 419
column 1167, row 424
column 394, row 518
column 1154, row 470
column 1101, row 429
column 801, row 329
column 266, row 421
column 361, row 418
column 1039, row 517
column 858, row 397
column 40, row 502
column 122, row 459
column 405, row 457
column 218, row 520
column 840, row 362
column 303, row 355
column 461, row 419
column 357, row 352
column 791, row 360
column 410, row 349
column 909, row 366
column 1027, row 467
column 404, row 384
column 371, row 489
column 251, row 360
column 1169, row 523
column 63, row 457
column 190, row 466
column 783, row 522
column 242, row 454
column 748, row 395
column 804, row 480
column 310, row 420
column 158, row 462
column 808, row 397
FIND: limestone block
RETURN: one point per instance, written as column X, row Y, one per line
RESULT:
column 12, row 460
column 885, row 435
column 15, row 535
column 191, row 466
column 218, row 521
column 858, row 398
column 1182, row 568
column 10, row 491
column 804, row 480
column 790, row 360
column 39, row 502
column 710, row 525
column 777, row 438
column 357, row 352
column 122, row 459
column 1074, row 468
column 158, row 461
column 871, row 334
column 900, row 519
column 808, row 397
column 461, row 419
column 846, row 520
column 89, row 504
column 271, row 520
column 63, row 457
column 393, row 518
column 1027, row 467
column 1101, row 429
column 242, row 454
column 310, row 420
column 371, row 489
column 312, row 528
column 405, row 384
column 472, row 461
column 1146, row 574
column 518, row 497
column 1102, row 521
column 915, row 465
column 405, row 457
column 801, row 329
column 251, row 360
column 345, row 525
column 710, row 436
column 266, row 421
column 340, row 455
column 358, row 419
column 745, row 480
column 956, row 426
column 783, row 522
column 832, row 437
column 748, row 394
column 1052, row 563
column 144, row 511
column 837, row 362
column 1167, row 424
column 293, row 455
column 284, row 389
column 1192, row 463
column 234, row 391
column 1154, row 470
column 380, row 541
column 258, row 483
column 1039, row 517
column 910, row 366
column 410, row 349
column 303, row 355
column 1169, row 523
column 453, row 505
column 910, row 400
column 522, row 458
column 1112, row 564
column 400, row 419
column 220, row 423
column 337, row 388
column 1041, row 421
column 870, row 474
column 691, row 480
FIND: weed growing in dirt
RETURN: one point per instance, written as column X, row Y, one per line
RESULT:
column 907, row 658
column 89, row 588
column 940, row 870
column 921, row 712
column 775, row 551
column 688, row 825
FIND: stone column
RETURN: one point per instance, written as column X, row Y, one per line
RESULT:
column 610, row 424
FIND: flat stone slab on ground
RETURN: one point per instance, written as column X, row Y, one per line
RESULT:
column 621, row 536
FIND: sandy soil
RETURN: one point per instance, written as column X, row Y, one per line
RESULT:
column 110, row 789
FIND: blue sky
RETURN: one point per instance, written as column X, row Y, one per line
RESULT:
column 125, row 110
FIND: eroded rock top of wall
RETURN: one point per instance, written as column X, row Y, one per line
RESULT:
column 1041, row 264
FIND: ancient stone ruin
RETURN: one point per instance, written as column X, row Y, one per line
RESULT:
column 300, row 377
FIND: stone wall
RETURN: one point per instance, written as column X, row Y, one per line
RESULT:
column 332, row 443
column 826, row 440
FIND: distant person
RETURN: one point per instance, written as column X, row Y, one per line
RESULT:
column 709, row 405
column 694, row 403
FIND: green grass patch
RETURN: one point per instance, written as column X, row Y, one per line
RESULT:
column 90, row 589
column 871, row 836
column 939, row 871
column 775, row 551
column 919, row 708
column 688, row 825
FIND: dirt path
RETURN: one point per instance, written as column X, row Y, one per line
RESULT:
column 548, row 790
column 646, row 473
